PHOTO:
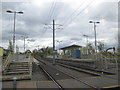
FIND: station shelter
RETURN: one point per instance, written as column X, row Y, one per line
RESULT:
column 73, row 51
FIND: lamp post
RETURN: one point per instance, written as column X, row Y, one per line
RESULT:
column 86, row 38
column 14, row 12
column 24, row 41
column 94, row 24
column 59, row 45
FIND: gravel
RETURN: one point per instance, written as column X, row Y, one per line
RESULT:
column 74, row 73
column 38, row 74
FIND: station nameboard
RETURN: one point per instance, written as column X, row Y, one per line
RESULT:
column 85, row 48
column 1, row 51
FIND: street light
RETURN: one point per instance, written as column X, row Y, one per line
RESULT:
column 14, row 12
column 59, row 45
column 86, row 38
column 24, row 37
column 94, row 23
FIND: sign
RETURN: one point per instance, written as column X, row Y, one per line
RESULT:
column 1, row 51
column 85, row 48
column 93, row 51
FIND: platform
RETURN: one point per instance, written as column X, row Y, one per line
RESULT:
column 100, row 82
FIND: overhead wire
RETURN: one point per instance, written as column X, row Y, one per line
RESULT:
column 88, row 5
column 68, row 18
column 49, row 16
column 73, row 12
column 51, row 12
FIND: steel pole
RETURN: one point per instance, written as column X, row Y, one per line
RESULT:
column 53, row 42
column 58, row 47
column 96, row 57
column 95, row 37
column 14, row 37
column 14, row 32
column 24, row 44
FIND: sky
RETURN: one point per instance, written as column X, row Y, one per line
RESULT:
column 71, row 22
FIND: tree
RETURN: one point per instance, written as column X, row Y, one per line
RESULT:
column 100, row 46
column 17, row 49
column 10, row 47
column 90, row 46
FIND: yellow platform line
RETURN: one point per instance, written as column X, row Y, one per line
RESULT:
column 96, row 76
column 8, row 76
column 17, row 76
column 111, row 86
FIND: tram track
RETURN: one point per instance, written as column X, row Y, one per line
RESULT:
column 92, row 86
column 85, row 69
column 89, row 72
column 42, row 66
column 79, row 67
column 52, row 78
column 100, row 72
column 80, row 70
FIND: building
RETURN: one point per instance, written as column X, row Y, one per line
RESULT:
column 73, row 51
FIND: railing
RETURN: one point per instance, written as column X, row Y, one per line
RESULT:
column 88, row 56
column 102, row 61
column 7, row 61
column 29, row 64
column 106, row 63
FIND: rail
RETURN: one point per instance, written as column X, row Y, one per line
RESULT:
column 90, row 85
column 52, row 78
column 75, row 78
column 7, row 61
column 29, row 63
column 80, row 70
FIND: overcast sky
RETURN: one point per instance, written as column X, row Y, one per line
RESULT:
column 73, row 15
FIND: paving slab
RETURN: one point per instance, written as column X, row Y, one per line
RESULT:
column 7, row 84
column 19, row 77
column 116, row 77
column 26, row 84
column 71, row 83
column 46, row 84
column 101, row 82
column 67, row 83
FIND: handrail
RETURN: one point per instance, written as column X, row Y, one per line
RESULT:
column 5, row 64
column 111, row 60
column 29, row 64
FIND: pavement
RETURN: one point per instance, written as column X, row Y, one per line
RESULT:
column 102, row 82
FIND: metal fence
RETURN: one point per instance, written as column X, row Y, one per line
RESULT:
column 105, row 63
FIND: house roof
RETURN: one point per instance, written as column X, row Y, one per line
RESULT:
column 72, row 46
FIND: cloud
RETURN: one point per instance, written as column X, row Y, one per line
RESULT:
column 31, row 23
column 31, row 40
column 105, row 10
